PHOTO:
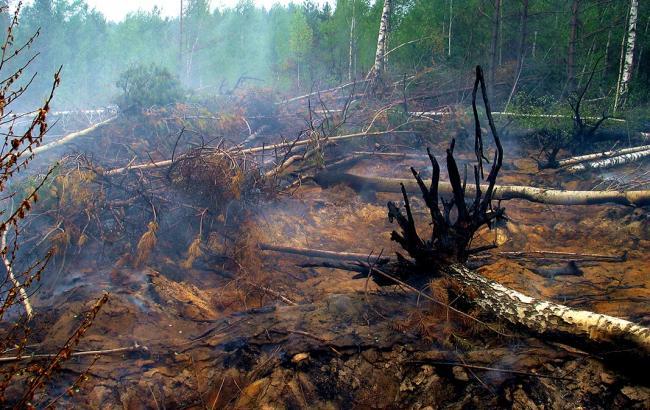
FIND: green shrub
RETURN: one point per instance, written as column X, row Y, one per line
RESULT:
column 147, row 86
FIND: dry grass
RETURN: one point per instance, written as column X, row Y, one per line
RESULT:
column 193, row 253
column 246, row 252
column 438, row 323
column 146, row 245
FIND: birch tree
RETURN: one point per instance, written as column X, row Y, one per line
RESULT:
column 379, row 67
column 352, row 51
column 627, row 62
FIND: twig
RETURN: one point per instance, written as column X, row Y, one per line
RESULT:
column 564, row 255
column 490, row 369
column 272, row 293
column 133, row 348
column 10, row 271
column 346, row 256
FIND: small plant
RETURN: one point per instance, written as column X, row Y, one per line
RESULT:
column 148, row 86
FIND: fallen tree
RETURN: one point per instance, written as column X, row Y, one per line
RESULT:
column 601, row 155
column 444, row 255
column 551, row 116
column 501, row 192
column 70, row 137
column 610, row 162
column 256, row 150
column 544, row 317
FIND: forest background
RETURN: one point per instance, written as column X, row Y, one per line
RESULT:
column 548, row 48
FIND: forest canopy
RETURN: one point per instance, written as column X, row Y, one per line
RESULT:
column 551, row 46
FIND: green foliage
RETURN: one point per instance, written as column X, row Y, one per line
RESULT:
column 302, row 44
column 530, row 111
column 147, row 86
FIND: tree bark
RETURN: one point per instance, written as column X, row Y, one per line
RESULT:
column 317, row 253
column 548, row 318
column 352, row 51
column 610, row 162
column 24, row 298
column 524, row 115
column 601, row 155
column 523, row 33
column 379, row 67
column 501, row 192
column 451, row 18
column 628, row 60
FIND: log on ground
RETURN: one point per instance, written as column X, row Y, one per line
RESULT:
column 610, row 162
column 501, row 192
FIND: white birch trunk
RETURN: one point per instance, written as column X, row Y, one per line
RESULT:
column 543, row 317
column 627, row 56
column 501, row 192
column 351, row 68
column 601, row 155
column 451, row 18
column 384, row 27
column 24, row 298
column 629, row 51
column 72, row 136
column 610, row 162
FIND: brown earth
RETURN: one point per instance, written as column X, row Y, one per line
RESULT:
column 208, row 341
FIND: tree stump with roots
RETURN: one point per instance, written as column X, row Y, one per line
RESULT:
column 456, row 221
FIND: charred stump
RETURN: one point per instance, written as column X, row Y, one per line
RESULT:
column 454, row 222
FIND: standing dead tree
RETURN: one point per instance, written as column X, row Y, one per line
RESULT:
column 449, row 247
column 582, row 131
